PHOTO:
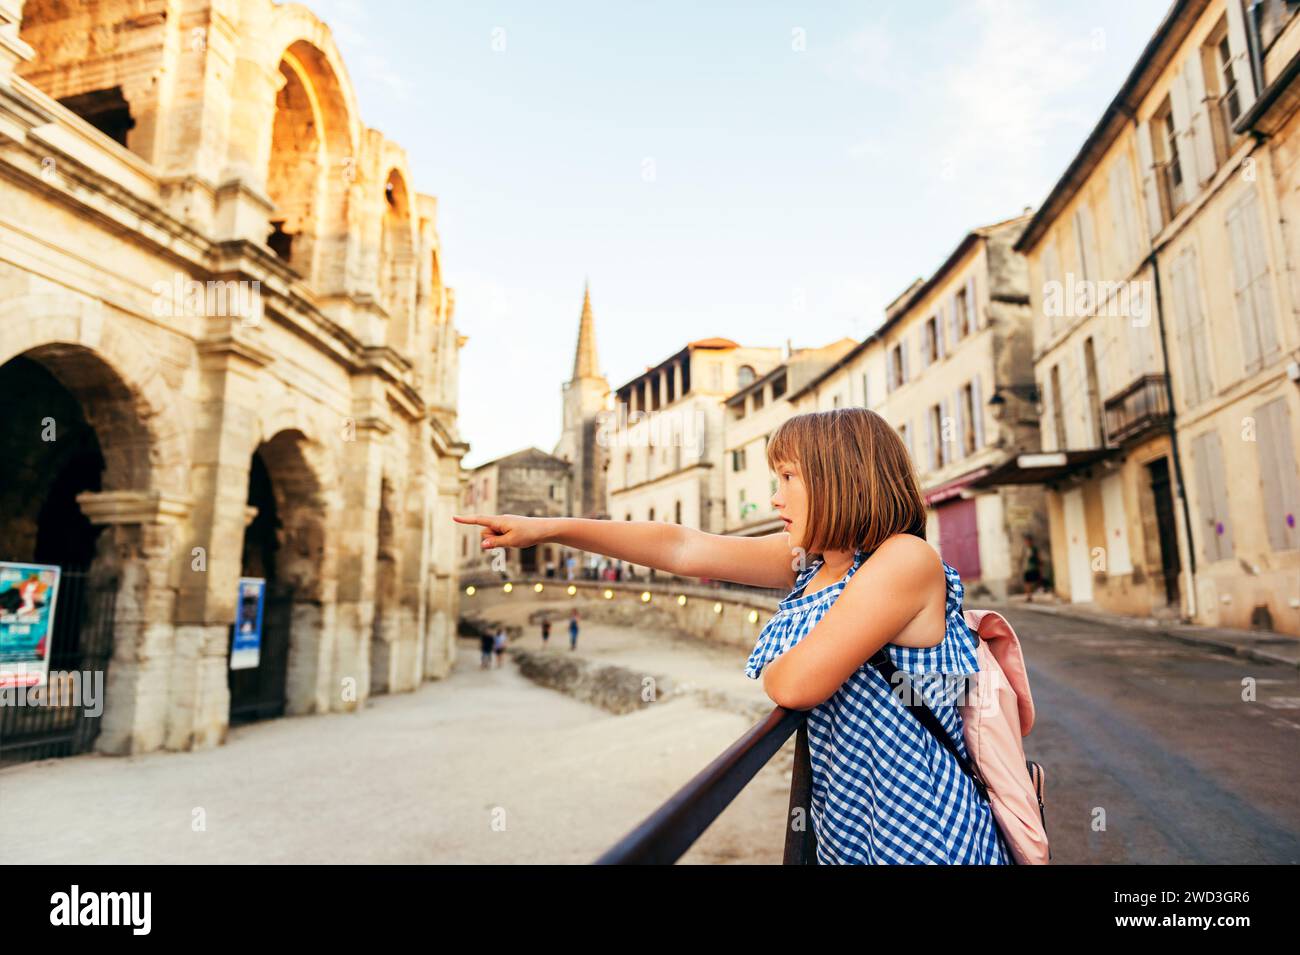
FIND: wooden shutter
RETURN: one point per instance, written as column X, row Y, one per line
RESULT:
column 907, row 365
column 1150, row 191
column 1240, row 51
column 945, row 416
column 958, row 426
column 930, row 439
column 1118, row 559
column 1212, row 497
column 1085, row 238
column 939, row 336
column 1119, row 220
column 1202, row 134
column 1190, row 327
column 1051, row 273
column 923, row 346
column 1182, row 130
column 976, row 313
column 1242, row 289
column 1279, row 475
column 1261, row 292
column 977, row 401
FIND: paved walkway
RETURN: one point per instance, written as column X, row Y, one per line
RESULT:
column 483, row 767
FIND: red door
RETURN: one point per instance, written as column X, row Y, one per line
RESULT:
column 959, row 537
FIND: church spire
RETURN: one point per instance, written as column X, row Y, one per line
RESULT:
column 585, row 364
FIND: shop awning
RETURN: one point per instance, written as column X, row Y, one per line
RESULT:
column 953, row 488
column 1043, row 467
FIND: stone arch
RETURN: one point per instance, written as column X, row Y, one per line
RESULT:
column 315, row 138
column 109, row 371
column 289, row 449
column 117, row 484
column 397, row 263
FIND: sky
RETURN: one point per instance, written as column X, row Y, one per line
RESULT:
column 758, row 171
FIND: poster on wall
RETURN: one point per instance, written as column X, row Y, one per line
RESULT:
column 27, row 596
column 246, row 648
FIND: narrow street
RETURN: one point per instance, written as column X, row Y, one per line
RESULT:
column 1152, row 738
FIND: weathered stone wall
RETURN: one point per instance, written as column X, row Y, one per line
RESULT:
column 720, row 616
column 200, row 300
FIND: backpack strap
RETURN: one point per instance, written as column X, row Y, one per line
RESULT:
column 922, row 712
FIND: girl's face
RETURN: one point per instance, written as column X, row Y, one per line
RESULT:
column 791, row 501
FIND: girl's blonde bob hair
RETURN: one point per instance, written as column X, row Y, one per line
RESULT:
column 862, row 488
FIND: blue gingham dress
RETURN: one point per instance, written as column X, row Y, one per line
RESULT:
column 884, row 790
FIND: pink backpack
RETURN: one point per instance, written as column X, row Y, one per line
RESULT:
column 997, row 713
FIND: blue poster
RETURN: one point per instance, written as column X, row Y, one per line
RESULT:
column 27, row 596
column 245, row 650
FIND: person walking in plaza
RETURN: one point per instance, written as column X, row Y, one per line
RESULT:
column 573, row 630
column 546, row 630
column 485, row 645
column 863, row 585
column 499, row 645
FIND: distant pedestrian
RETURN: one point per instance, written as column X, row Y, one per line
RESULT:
column 500, row 645
column 573, row 631
column 546, row 630
column 1032, row 568
column 485, row 643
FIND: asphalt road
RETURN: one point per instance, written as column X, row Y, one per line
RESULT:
column 1152, row 751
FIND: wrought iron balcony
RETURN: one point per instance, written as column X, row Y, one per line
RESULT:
column 1139, row 409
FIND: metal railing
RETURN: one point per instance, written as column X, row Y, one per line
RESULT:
column 673, row 828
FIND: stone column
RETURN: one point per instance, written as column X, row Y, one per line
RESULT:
column 229, row 362
column 135, row 557
column 363, row 469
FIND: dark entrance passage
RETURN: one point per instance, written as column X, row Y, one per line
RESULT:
column 1170, row 566
column 49, row 454
column 258, row 693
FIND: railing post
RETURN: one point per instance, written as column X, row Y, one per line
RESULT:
column 800, row 840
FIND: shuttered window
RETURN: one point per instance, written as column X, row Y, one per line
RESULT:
column 1251, row 283
column 1279, row 475
column 1051, row 275
column 1085, row 243
column 1213, row 528
column 1192, row 330
column 1123, row 214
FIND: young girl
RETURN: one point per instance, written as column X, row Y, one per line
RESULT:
column 884, row 790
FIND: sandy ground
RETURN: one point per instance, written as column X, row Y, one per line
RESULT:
column 483, row 767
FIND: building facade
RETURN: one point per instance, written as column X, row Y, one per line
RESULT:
column 753, row 414
column 530, row 483
column 1166, row 336
column 949, row 368
column 666, row 434
column 227, row 352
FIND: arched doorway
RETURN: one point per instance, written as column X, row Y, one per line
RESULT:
column 283, row 549
column 59, row 401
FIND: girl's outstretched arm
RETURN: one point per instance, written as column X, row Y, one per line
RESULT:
column 672, row 548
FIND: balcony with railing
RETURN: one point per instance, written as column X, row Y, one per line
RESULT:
column 1138, row 410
